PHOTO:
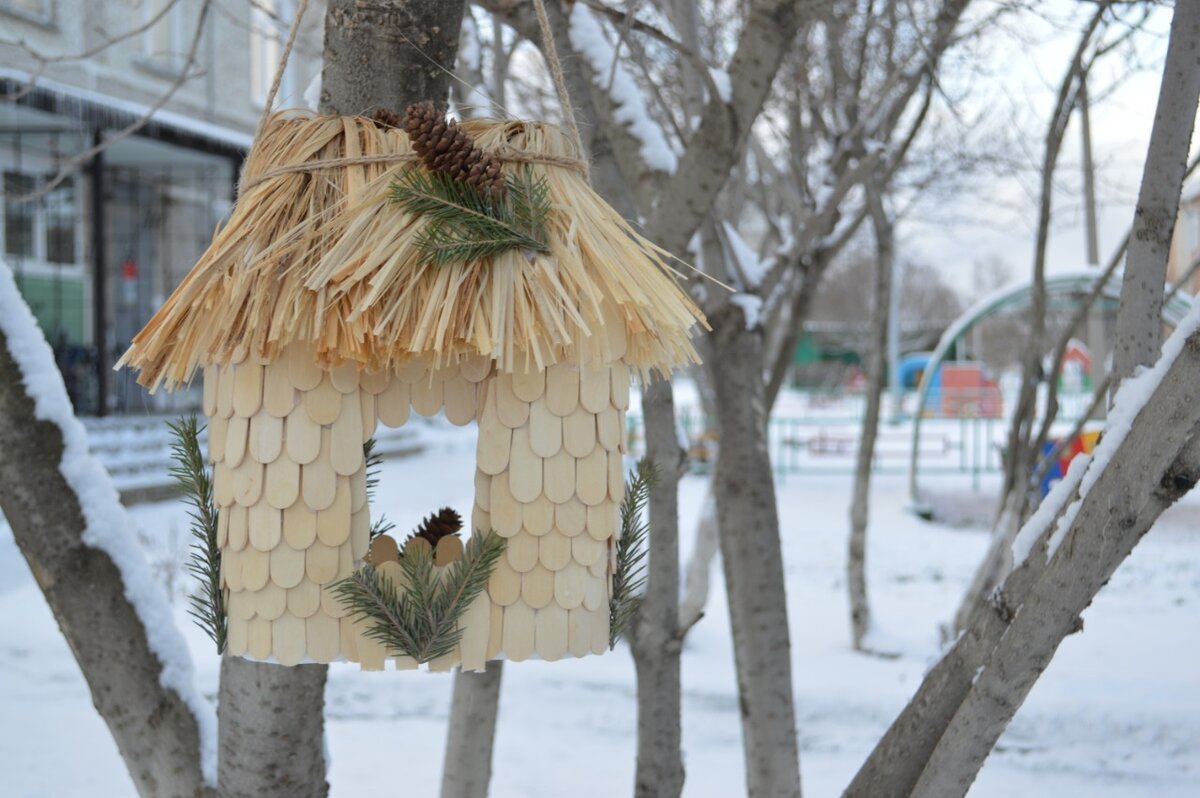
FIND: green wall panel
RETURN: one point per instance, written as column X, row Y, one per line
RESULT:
column 58, row 305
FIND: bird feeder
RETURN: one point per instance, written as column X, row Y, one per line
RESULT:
column 318, row 312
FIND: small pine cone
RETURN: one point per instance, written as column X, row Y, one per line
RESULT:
column 437, row 526
column 445, row 147
column 387, row 117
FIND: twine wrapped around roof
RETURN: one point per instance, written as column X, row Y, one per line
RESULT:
column 315, row 252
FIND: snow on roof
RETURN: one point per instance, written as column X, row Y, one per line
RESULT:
column 173, row 119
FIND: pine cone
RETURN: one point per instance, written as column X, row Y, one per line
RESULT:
column 387, row 117
column 445, row 147
column 437, row 526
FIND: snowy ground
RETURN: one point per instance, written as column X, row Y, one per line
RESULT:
column 1117, row 713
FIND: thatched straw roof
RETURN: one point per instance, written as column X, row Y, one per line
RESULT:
column 316, row 253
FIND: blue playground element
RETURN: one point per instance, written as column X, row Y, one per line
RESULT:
column 913, row 366
column 1055, row 472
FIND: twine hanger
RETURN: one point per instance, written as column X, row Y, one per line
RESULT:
column 550, row 51
column 506, row 153
column 560, row 83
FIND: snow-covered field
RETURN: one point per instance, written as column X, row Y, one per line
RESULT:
column 1116, row 714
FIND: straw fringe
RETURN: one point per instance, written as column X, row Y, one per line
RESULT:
column 321, row 256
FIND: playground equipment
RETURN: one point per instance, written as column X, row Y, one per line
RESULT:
column 1069, row 285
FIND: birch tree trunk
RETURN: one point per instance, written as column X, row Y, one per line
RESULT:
column 471, row 733
column 1138, row 328
column 155, row 732
column 856, row 567
column 744, row 486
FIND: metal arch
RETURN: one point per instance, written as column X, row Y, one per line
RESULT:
column 1020, row 293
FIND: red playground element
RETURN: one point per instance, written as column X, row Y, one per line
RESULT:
column 968, row 392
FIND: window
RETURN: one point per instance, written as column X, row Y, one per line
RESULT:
column 61, row 223
column 43, row 230
column 39, row 11
column 165, row 42
column 270, row 21
column 18, row 215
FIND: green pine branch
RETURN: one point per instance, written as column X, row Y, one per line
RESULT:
column 464, row 224
column 423, row 618
column 374, row 461
column 629, row 575
column 204, row 561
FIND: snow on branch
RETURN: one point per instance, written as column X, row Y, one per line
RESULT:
column 750, row 269
column 587, row 37
column 1131, row 397
column 1058, row 497
column 108, row 524
column 751, row 306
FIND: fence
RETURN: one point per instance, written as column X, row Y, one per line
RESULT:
column 818, row 432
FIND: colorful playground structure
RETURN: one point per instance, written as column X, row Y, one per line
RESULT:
column 1084, row 443
column 958, row 389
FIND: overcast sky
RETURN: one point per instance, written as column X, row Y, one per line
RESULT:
column 993, row 221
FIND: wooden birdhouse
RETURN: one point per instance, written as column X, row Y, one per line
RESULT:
column 328, row 303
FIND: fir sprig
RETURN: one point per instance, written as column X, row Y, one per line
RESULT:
column 629, row 575
column 464, row 224
column 204, row 561
column 421, row 619
column 374, row 461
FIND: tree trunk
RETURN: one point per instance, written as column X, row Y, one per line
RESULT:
column 272, row 730
column 896, row 763
column 1147, row 473
column 388, row 53
column 1034, row 592
column 467, row 767
column 1138, row 328
column 154, row 729
column 750, row 549
column 856, row 566
column 655, row 638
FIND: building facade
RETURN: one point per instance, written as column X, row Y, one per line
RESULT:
column 1185, row 246
column 102, row 217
